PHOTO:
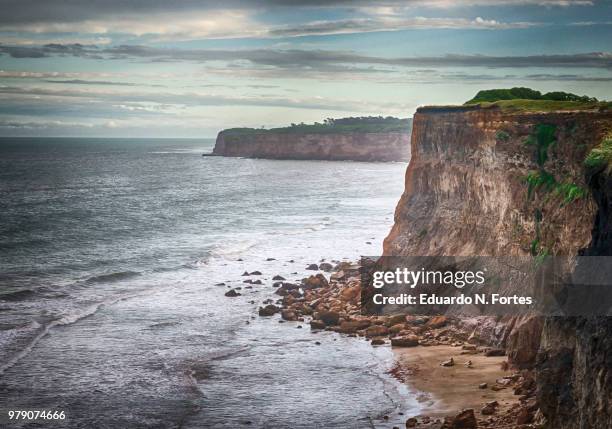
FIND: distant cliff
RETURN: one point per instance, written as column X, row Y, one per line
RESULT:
column 370, row 138
column 500, row 181
column 391, row 146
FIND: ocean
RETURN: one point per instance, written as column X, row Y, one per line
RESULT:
column 111, row 252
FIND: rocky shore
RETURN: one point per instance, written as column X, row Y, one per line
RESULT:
column 461, row 383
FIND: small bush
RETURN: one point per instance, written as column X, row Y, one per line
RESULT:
column 502, row 136
column 600, row 156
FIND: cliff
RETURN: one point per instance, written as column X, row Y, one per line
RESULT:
column 499, row 182
column 354, row 146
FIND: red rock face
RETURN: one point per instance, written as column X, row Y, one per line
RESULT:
column 466, row 194
column 333, row 147
column 465, row 190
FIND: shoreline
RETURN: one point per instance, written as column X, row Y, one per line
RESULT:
column 486, row 391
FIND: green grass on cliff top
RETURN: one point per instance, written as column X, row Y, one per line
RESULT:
column 527, row 99
column 364, row 124
column 522, row 105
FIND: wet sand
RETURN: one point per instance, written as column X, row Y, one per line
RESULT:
column 445, row 390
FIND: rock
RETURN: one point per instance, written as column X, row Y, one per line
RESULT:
column 411, row 422
column 317, row 324
column 468, row 347
column 468, row 364
column 349, row 327
column 395, row 319
column 278, row 277
column 326, row 266
column 504, row 381
column 524, row 417
column 377, row 342
column 489, row 408
column 350, row 293
column 268, row 310
column 406, row 341
column 376, row 331
column 270, row 259
column 246, row 273
column 220, row 284
column 232, row 293
column 338, row 275
column 464, row 420
column 312, row 267
column 450, row 362
column 329, row 317
column 257, row 282
column 483, row 385
column 495, row 352
column 256, row 273
column 437, row 322
column 247, row 281
column 396, row 329
column 315, row 282
column 289, row 315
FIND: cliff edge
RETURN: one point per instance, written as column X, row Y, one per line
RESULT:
column 500, row 182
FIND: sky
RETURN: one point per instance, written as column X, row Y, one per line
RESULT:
column 187, row 68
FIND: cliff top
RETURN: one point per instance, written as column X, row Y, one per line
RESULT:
column 522, row 100
column 364, row 124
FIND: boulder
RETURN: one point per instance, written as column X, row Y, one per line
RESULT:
column 450, row 362
column 326, row 266
column 376, row 331
column 483, row 385
column 437, row 322
column 489, row 408
column 257, row 282
column 246, row 273
column 350, row 327
column 256, row 273
column 411, row 422
column 268, row 310
column 396, row 329
column 329, row 317
column 232, row 293
column 315, row 282
column 395, row 319
column 378, row 342
column 338, row 275
column 312, row 267
column 405, row 341
column 464, row 420
column 317, row 324
column 289, row 315
column 278, row 277
column 350, row 293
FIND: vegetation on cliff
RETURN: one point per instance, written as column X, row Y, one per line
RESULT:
column 361, row 124
column 600, row 157
column 527, row 99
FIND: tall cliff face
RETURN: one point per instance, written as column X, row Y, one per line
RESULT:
column 493, row 182
column 380, row 146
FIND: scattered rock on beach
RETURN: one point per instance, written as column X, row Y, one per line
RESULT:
column 489, row 408
column 326, row 266
column 246, row 273
column 220, row 284
column 257, row 282
column 312, row 267
column 289, row 315
column 464, row 420
column 483, row 385
column 329, row 317
column 317, row 324
column 268, row 310
column 377, row 342
column 405, row 341
column 411, row 422
column 256, row 273
column 315, row 282
column 278, row 277
column 450, row 362
column 232, row 293
column 376, row 331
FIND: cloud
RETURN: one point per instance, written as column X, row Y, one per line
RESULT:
column 308, row 60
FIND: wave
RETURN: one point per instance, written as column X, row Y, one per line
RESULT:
column 67, row 319
column 112, row 277
column 234, row 249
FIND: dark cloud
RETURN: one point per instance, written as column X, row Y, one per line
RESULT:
column 308, row 59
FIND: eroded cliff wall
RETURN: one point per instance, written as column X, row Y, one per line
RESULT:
column 387, row 146
column 493, row 182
